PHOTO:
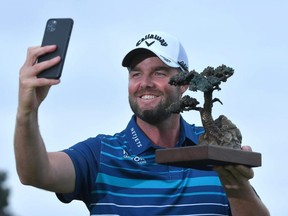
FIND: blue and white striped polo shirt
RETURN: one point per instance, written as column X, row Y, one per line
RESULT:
column 118, row 175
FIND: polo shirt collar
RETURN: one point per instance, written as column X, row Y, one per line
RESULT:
column 139, row 142
column 137, row 139
column 189, row 132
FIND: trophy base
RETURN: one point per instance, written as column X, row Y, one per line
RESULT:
column 206, row 156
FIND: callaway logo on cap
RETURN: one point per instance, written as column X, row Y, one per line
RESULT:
column 165, row 46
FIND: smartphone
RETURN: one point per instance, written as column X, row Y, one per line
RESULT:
column 57, row 32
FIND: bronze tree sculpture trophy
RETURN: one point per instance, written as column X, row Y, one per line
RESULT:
column 220, row 144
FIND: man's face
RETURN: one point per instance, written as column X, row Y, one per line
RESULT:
column 150, row 94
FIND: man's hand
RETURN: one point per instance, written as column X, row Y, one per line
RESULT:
column 235, row 178
column 32, row 91
column 242, row 197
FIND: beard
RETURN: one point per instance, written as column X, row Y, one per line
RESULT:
column 156, row 115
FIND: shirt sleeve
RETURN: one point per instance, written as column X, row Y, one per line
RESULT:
column 84, row 156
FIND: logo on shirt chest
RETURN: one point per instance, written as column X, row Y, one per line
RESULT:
column 134, row 158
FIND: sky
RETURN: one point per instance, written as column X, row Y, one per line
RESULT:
column 92, row 98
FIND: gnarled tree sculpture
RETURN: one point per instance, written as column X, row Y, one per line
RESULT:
column 221, row 131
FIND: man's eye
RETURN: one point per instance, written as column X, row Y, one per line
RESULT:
column 135, row 75
column 160, row 74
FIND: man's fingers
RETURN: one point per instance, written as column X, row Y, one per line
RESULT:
column 39, row 67
column 33, row 53
column 41, row 82
column 244, row 171
column 237, row 173
column 246, row 148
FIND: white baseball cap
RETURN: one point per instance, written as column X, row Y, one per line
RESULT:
column 165, row 46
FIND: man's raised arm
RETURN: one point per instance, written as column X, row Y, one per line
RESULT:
column 35, row 166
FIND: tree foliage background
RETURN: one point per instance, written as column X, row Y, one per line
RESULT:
column 4, row 194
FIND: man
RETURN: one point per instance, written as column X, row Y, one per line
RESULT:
column 118, row 174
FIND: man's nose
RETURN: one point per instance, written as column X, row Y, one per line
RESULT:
column 147, row 81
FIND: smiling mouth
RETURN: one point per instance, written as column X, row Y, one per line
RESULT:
column 148, row 97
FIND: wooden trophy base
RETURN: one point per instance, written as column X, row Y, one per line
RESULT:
column 206, row 156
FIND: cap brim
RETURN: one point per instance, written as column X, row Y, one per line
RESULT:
column 128, row 58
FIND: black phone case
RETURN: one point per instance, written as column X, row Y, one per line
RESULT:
column 57, row 32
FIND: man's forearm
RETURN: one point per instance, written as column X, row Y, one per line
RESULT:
column 246, row 203
column 30, row 153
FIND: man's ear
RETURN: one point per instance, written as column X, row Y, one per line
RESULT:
column 183, row 88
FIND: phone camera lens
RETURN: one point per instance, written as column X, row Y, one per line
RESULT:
column 51, row 27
